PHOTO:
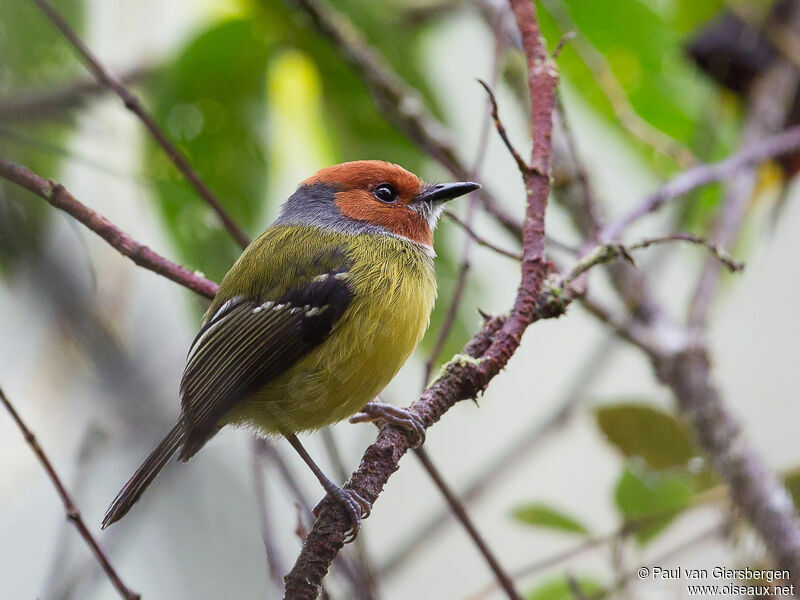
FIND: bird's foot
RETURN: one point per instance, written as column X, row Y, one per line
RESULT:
column 357, row 507
column 392, row 415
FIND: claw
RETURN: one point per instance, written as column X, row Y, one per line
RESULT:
column 357, row 507
column 392, row 415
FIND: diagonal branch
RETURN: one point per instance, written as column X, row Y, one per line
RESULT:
column 73, row 514
column 132, row 103
column 59, row 197
column 608, row 252
column 772, row 93
column 460, row 512
column 480, row 240
column 487, row 353
column 691, row 179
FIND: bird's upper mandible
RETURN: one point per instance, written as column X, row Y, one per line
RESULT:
column 371, row 196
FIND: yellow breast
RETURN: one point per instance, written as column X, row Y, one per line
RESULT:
column 394, row 291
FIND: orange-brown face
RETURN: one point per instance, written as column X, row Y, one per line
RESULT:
column 379, row 193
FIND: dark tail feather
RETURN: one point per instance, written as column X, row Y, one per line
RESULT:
column 144, row 476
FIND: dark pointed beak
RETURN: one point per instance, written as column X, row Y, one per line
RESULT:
column 443, row 192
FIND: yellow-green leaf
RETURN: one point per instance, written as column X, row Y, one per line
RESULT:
column 559, row 588
column 640, row 430
column 539, row 514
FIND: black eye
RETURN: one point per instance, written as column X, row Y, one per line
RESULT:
column 385, row 192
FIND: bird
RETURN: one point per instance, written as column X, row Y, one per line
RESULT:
column 313, row 320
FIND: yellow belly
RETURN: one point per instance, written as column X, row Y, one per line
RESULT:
column 394, row 292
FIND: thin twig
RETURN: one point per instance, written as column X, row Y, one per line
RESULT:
column 455, row 505
column 62, row 555
column 71, row 510
column 523, row 167
column 59, row 197
column 581, row 174
column 461, row 514
column 275, row 566
column 562, row 42
column 574, row 587
column 691, row 179
column 607, row 252
column 132, row 103
column 481, row 241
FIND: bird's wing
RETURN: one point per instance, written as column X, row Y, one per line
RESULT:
column 247, row 341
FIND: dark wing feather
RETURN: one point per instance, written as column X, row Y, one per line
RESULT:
column 248, row 342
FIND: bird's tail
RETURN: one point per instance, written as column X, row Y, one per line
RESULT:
column 145, row 474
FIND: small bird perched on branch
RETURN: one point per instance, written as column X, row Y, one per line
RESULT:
column 313, row 320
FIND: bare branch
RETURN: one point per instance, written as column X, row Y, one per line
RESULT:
column 563, row 42
column 523, row 167
column 274, row 564
column 575, row 587
column 607, row 252
column 72, row 512
column 691, row 179
column 59, row 197
column 461, row 514
column 481, row 241
column 770, row 100
column 573, row 170
column 132, row 103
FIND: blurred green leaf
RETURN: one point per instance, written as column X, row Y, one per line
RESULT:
column 542, row 515
column 559, row 588
column 641, row 430
column 355, row 126
column 211, row 101
column 684, row 16
column 34, row 52
column 650, row 500
column 644, row 50
column 35, row 57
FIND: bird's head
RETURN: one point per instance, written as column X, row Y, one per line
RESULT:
column 371, row 196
